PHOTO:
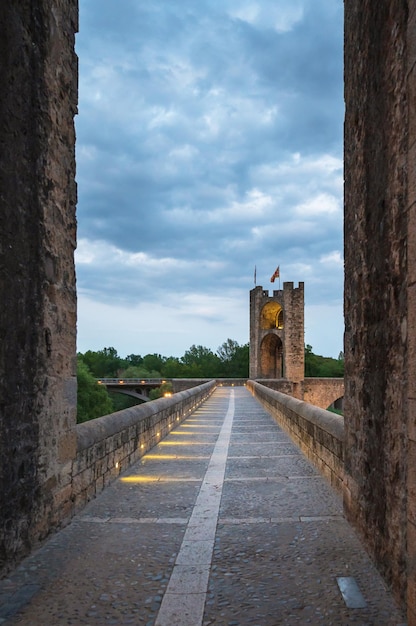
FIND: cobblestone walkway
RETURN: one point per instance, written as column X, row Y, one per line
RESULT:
column 224, row 523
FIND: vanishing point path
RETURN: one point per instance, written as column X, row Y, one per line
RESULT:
column 224, row 523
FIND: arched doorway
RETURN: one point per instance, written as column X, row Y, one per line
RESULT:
column 271, row 316
column 271, row 357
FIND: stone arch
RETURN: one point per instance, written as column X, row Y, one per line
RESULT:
column 337, row 404
column 323, row 392
column 271, row 357
column 271, row 316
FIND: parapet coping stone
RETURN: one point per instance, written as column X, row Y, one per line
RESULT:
column 99, row 429
column 332, row 423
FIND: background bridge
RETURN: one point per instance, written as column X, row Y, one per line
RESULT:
column 135, row 387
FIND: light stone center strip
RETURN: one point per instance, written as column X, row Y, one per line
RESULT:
column 184, row 600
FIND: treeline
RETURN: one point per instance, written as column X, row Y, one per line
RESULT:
column 230, row 361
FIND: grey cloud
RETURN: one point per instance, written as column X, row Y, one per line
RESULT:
column 185, row 109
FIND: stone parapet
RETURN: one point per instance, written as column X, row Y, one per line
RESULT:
column 108, row 445
column 318, row 433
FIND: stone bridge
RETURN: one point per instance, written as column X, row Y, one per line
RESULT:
column 223, row 482
column 321, row 392
column 43, row 464
column 110, row 443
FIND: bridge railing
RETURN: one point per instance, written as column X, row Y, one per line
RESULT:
column 110, row 444
column 317, row 432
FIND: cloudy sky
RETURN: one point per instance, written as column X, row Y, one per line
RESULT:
column 209, row 142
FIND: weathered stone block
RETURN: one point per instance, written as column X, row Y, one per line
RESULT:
column 67, row 446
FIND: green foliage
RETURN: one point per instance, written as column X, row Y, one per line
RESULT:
column 234, row 359
column 93, row 399
column 134, row 360
column 136, row 372
column 154, row 363
column 332, row 410
column 122, row 401
column 201, row 362
column 173, row 368
column 322, row 367
column 230, row 361
column 159, row 392
column 103, row 364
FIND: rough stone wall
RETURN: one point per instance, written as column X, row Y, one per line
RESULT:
column 411, row 321
column 38, row 74
column 110, row 444
column 283, row 385
column 256, row 297
column 318, row 433
column 376, row 324
column 294, row 337
column 322, row 392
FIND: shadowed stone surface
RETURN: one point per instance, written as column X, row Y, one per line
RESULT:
column 280, row 542
column 379, row 311
column 38, row 74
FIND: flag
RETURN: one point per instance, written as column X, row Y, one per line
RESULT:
column 276, row 274
column 255, row 275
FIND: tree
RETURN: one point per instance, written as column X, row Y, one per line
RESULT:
column 321, row 366
column 201, row 362
column 134, row 360
column 173, row 368
column 136, row 372
column 104, row 363
column 121, row 401
column 234, row 359
column 154, row 364
column 92, row 398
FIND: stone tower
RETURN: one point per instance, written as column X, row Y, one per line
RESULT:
column 277, row 333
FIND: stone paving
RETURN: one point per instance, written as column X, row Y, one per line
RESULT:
column 224, row 523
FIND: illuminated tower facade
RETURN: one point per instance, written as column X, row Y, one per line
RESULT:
column 277, row 333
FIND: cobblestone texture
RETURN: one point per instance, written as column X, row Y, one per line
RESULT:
column 280, row 544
